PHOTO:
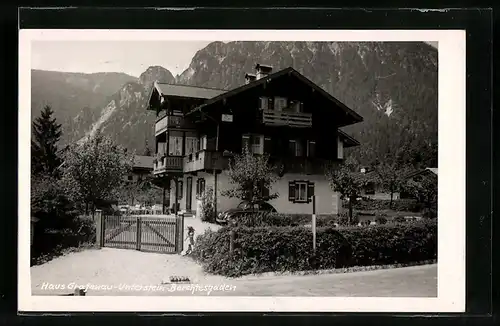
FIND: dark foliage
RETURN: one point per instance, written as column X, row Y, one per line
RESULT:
column 279, row 249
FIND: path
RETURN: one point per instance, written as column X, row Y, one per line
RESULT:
column 115, row 267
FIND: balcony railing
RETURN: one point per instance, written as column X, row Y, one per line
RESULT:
column 168, row 164
column 283, row 118
column 204, row 160
column 172, row 121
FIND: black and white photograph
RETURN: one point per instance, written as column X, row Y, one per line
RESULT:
column 272, row 170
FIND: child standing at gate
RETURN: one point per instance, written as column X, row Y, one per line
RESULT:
column 190, row 236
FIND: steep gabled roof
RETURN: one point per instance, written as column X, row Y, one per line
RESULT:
column 268, row 78
column 143, row 162
column 432, row 171
column 348, row 140
column 184, row 91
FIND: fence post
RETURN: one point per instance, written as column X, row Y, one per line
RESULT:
column 313, row 224
column 180, row 233
column 138, row 224
column 99, row 225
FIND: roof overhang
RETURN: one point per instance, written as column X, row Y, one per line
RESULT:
column 348, row 140
column 353, row 116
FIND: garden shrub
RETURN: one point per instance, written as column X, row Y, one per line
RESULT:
column 279, row 249
column 266, row 249
column 400, row 205
column 392, row 243
column 381, row 220
column 207, row 206
column 399, row 219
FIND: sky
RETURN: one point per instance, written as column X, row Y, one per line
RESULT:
column 130, row 57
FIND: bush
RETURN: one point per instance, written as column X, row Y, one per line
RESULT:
column 392, row 243
column 399, row 205
column 207, row 206
column 381, row 220
column 50, row 243
column 399, row 219
column 266, row 249
column 279, row 249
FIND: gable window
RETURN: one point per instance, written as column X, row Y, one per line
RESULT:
column 254, row 143
column 280, row 103
column 311, row 148
column 300, row 191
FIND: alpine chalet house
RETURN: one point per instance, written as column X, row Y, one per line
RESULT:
column 282, row 114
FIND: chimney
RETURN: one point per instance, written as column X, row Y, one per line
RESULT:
column 249, row 78
column 262, row 70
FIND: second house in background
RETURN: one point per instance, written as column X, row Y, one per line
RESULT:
column 282, row 114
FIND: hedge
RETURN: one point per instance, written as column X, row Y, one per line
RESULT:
column 280, row 249
column 279, row 219
column 270, row 249
column 400, row 205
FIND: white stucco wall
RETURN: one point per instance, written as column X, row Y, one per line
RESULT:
column 327, row 201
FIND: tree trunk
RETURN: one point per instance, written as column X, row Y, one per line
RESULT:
column 349, row 220
column 86, row 208
column 390, row 203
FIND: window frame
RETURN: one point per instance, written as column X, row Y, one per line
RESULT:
column 297, row 191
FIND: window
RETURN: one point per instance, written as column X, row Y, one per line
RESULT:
column 130, row 177
column 295, row 148
column 340, row 149
column 254, row 143
column 296, row 106
column 175, row 144
column 311, row 148
column 203, row 143
column 191, row 145
column 263, row 103
column 257, row 144
column 200, row 187
column 300, row 191
column 280, row 103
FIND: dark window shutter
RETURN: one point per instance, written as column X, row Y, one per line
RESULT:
column 270, row 103
column 312, row 149
column 310, row 191
column 268, row 145
column 291, row 191
column 180, row 189
column 291, row 148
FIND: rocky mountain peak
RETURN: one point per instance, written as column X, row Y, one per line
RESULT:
column 154, row 73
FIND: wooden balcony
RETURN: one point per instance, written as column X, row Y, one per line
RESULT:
column 290, row 119
column 204, row 160
column 168, row 164
column 171, row 121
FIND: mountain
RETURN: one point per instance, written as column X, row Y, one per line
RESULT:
column 76, row 98
column 393, row 85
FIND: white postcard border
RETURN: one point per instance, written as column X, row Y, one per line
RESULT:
column 451, row 204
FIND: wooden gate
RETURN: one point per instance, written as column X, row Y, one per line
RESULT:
column 145, row 233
